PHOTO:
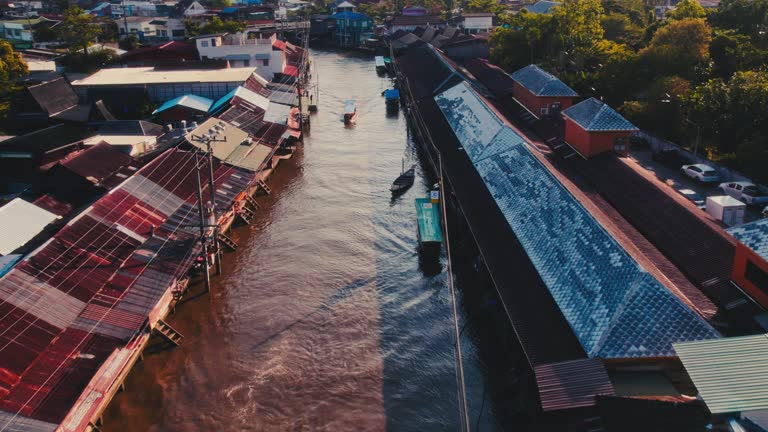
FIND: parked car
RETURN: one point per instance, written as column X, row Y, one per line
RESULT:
column 700, row 172
column 693, row 196
column 746, row 192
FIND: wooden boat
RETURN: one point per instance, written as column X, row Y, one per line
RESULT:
column 428, row 218
column 350, row 111
column 404, row 180
column 381, row 65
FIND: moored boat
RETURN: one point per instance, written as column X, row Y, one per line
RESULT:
column 403, row 181
column 392, row 97
column 381, row 65
column 428, row 217
column 350, row 111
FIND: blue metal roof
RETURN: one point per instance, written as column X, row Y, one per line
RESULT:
column 542, row 83
column 221, row 101
column 354, row 16
column 542, row 7
column 753, row 235
column 615, row 308
column 230, row 10
column 594, row 115
column 190, row 101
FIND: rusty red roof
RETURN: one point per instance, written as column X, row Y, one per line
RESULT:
column 491, row 76
column 88, row 291
column 572, row 384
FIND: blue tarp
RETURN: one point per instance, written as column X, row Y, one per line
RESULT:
column 392, row 94
column 195, row 102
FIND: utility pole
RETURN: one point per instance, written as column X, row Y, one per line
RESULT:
column 208, row 140
column 212, row 187
column 203, row 225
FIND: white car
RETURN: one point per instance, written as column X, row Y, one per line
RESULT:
column 700, row 172
column 745, row 192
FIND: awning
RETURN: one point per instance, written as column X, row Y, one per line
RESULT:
column 262, row 56
column 291, row 71
column 238, row 57
column 295, row 133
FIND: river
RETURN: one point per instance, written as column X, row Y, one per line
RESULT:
column 323, row 319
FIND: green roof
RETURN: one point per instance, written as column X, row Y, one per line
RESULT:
column 730, row 374
column 428, row 216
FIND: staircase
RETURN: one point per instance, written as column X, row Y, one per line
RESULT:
column 168, row 332
column 252, row 202
column 228, row 242
column 246, row 214
column 264, row 187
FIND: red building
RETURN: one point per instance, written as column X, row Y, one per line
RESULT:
column 540, row 92
column 750, row 262
column 592, row 127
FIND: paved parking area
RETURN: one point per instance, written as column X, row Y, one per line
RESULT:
column 678, row 181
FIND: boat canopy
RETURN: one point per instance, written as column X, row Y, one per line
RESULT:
column 379, row 61
column 428, row 216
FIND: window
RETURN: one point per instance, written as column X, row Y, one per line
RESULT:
column 757, row 276
column 695, row 169
column 213, row 42
column 246, row 63
column 204, row 44
column 544, row 111
column 265, row 62
column 177, row 33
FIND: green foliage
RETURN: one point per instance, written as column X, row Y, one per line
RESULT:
column 747, row 17
column 216, row 25
column 492, row 6
column 687, row 9
column 678, row 48
column 89, row 63
column 731, row 52
column 579, row 22
column 218, row 4
column 12, row 67
column 78, row 29
column 510, row 48
column 130, row 42
column 619, row 28
column 45, row 34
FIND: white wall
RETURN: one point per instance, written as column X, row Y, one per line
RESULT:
column 478, row 23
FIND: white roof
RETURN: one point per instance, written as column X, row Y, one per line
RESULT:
column 148, row 75
column 41, row 65
column 120, row 139
column 726, row 201
column 20, row 221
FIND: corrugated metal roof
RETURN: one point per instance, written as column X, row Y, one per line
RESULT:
column 91, row 287
column 542, row 7
column 730, row 374
column 615, row 308
column 277, row 113
column 753, row 235
column 542, row 83
column 221, row 149
column 594, row 115
column 21, row 221
column 572, row 384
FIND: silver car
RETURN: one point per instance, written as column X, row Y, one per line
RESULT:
column 701, row 172
column 746, row 192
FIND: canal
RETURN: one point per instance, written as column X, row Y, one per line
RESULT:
column 324, row 319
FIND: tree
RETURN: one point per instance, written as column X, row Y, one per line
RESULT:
column 12, row 67
column 78, row 29
column 678, row 48
column 747, row 17
column 620, row 29
column 731, row 52
column 579, row 22
column 687, row 9
column 130, row 42
column 510, row 48
column 492, row 6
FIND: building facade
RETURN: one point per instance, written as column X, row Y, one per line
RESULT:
column 242, row 50
column 592, row 128
column 540, row 92
column 750, row 262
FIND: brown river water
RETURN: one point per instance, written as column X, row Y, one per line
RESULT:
column 323, row 319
